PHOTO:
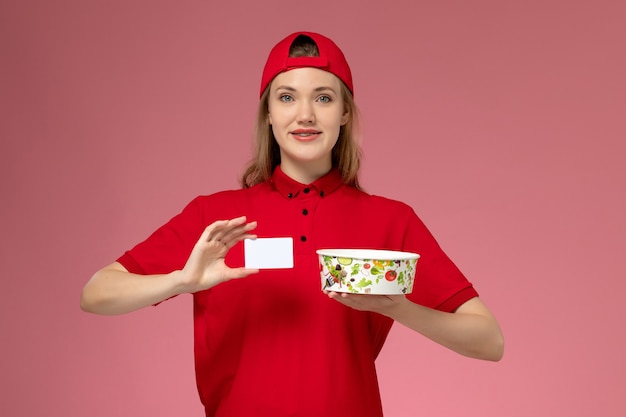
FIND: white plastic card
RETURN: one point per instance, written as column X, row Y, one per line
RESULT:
column 268, row 253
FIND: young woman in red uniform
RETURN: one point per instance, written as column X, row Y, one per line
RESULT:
column 269, row 342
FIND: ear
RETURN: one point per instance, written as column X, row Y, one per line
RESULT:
column 345, row 117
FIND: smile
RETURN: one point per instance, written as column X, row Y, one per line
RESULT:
column 305, row 133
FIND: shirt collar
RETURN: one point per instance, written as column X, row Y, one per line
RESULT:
column 290, row 188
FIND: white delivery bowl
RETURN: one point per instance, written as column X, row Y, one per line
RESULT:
column 367, row 271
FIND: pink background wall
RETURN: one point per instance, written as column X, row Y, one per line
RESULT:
column 501, row 123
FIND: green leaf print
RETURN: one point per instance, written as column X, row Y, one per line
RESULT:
column 363, row 283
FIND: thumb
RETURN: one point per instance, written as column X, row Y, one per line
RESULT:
column 241, row 272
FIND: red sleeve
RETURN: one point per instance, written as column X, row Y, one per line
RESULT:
column 438, row 283
column 169, row 247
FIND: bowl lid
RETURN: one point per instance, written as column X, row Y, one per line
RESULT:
column 387, row 255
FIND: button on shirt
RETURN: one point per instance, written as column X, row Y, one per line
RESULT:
column 272, row 344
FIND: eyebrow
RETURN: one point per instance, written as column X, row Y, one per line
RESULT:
column 317, row 90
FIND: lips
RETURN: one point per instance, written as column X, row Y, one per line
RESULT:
column 304, row 134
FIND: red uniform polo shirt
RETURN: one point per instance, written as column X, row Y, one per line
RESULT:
column 272, row 344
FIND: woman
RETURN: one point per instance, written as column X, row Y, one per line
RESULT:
column 269, row 342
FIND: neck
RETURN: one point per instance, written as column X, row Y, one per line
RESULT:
column 303, row 173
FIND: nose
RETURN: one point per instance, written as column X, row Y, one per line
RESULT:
column 306, row 114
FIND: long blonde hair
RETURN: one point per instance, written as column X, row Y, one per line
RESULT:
column 346, row 154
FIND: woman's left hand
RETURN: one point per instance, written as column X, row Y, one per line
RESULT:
column 471, row 330
column 382, row 304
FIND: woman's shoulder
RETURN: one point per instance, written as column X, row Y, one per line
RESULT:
column 382, row 202
column 229, row 196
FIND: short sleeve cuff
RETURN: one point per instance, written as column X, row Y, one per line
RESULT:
column 454, row 302
column 130, row 264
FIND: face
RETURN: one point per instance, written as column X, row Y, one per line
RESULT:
column 306, row 112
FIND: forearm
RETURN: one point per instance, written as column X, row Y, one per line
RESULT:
column 471, row 331
column 113, row 290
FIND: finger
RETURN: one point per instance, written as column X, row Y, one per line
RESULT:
column 217, row 237
column 213, row 229
column 237, row 230
column 229, row 242
column 233, row 235
column 241, row 272
column 332, row 294
column 239, row 227
column 250, row 226
column 207, row 234
column 237, row 221
column 218, row 229
column 229, row 232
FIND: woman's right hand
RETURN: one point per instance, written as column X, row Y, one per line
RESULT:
column 205, row 267
column 114, row 290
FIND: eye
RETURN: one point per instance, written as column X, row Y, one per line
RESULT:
column 324, row 99
column 286, row 98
